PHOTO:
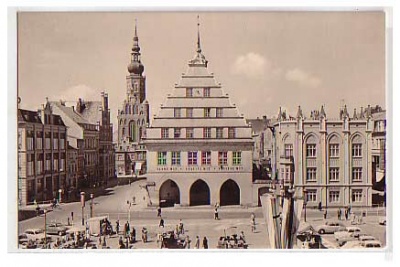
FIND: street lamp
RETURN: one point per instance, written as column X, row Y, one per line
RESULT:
column 305, row 204
column 59, row 195
column 129, row 210
column 83, row 206
column 45, row 228
column 91, row 205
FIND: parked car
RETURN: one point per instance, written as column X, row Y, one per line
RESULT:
column 23, row 238
column 371, row 244
column 352, row 244
column 382, row 221
column 366, row 238
column 346, row 232
column 330, row 227
column 56, row 229
column 34, row 234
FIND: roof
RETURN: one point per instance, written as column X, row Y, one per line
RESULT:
column 92, row 112
column 58, row 120
column 28, row 116
column 257, row 125
column 70, row 112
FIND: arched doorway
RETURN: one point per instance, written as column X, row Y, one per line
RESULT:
column 229, row 193
column 199, row 193
column 169, row 194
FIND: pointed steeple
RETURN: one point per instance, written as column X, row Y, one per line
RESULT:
column 355, row 114
column 322, row 113
column 136, row 66
column 198, row 35
column 345, row 113
column 199, row 59
column 299, row 113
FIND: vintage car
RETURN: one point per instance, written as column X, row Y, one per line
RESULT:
column 329, row 227
column 371, row 244
column 348, row 231
column 56, row 229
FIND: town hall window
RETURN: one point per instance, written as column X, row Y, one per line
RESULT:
column 236, row 157
column 189, row 92
column 357, row 174
column 189, row 133
column 311, row 174
column 162, row 158
column 334, row 150
column 189, row 112
column 206, row 92
column 206, row 158
column 206, row 132
column 176, row 158
column 192, row 158
column 164, row 133
column 288, row 150
column 222, row 158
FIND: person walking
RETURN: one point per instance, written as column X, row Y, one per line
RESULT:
column 253, row 222
column 216, row 214
column 117, row 227
column 197, row 244
column 325, row 213
column 158, row 211
column 161, row 224
column 205, row 243
column 188, row 241
column 339, row 214
column 346, row 213
column 181, row 230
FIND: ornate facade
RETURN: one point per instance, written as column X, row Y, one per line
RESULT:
column 133, row 118
column 199, row 147
column 327, row 160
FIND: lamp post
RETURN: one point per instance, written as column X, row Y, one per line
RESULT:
column 129, row 210
column 59, row 195
column 45, row 228
column 91, row 205
column 305, row 204
column 83, row 206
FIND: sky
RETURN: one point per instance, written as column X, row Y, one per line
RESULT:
column 264, row 60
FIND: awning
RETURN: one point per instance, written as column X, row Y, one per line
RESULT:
column 376, row 192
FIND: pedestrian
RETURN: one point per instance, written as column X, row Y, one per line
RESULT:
column 325, row 213
column 242, row 237
column 253, row 222
column 68, row 222
column 161, row 223
column 216, row 214
column 181, row 230
column 133, row 235
column 128, row 228
column 117, row 226
column 339, row 214
column 320, row 206
column 72, row 216
column 197, row 244
column 205, row 243
column 158, row 211
column 188, row 241
column 346, row 213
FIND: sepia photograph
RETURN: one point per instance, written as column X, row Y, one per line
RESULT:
column 195, row 130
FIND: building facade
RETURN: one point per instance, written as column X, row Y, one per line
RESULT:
column 84, row 137
column 42, row 146
column 327, row 160
column 199, row 147
column 98, row 113
column 133, row 117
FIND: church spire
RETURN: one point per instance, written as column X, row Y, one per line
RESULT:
column 136, row 66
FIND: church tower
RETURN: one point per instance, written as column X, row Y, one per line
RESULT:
column 132, row 118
